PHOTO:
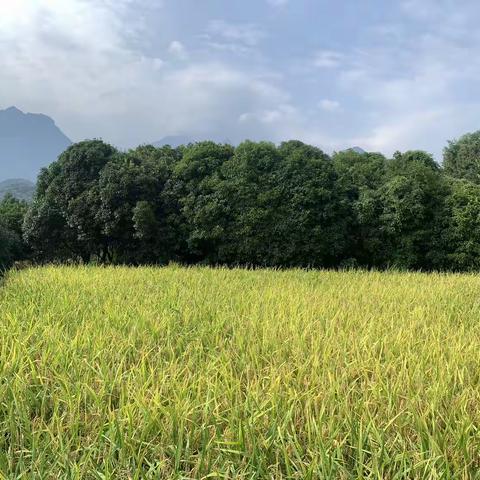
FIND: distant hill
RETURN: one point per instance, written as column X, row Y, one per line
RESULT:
column 176, row 140
column 358, row 150
column 28, row 142
column 19, row 188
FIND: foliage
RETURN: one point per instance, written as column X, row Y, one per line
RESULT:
column 12, row 213
column 282, row 205
column 462, row 157
column 8, row 246
column 359, row 177
column 131, row 188
column 257, row 204
column 63, row 222
column 194, row 188
column 12, row 247
column 411, row 209
column 461, row 232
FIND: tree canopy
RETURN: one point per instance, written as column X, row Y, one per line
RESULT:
column 12, row 247
column 257, row 204
column 462, row 157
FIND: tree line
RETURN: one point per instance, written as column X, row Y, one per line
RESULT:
column 256, row 204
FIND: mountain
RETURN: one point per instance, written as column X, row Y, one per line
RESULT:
column 19, row 188
column 176, row 140
column 28, row 142
column 359, row 150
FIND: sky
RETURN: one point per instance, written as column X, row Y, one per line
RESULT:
column 384, row 75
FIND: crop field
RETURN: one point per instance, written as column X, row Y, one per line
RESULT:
column 175, row 373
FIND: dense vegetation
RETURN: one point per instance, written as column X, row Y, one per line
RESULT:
column 238, row 374
column 12, row 247
column 256, row 204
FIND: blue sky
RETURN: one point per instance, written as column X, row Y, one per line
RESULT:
column 384, row 75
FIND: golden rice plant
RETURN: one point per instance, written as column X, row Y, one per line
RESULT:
column 186, row 373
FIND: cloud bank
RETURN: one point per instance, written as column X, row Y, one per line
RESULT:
column 133, row 71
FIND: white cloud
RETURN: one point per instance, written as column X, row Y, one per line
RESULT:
column 327, row 59
column 209, row 97
column 82, row 62
column 282, row 113
column 177, row 49
column 246, row 34
column 418, row 89
column 100, row 68
column 329, row 105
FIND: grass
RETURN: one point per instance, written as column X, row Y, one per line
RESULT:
column 179, row 373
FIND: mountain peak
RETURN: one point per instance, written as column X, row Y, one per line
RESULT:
column 175, row 141
column 14, row 110
column 28, row 142
column 18, row 187
column 358, row 150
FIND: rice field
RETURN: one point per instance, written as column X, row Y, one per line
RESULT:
column 175, row 373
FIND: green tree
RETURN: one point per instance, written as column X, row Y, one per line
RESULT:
column 244, row 212
column 202, row 213
column 412, row 208
column 312, row 228
column 359, row 178
column 131, row 185
column 282, row 208
column 461, row 158
column 8, row 245
column 461, row 228
column 257, row 204
column 12, row 214
column 62, row 221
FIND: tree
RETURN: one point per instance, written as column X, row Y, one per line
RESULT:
column 8, row 246
column 131, row 188
column 243, row 209
column 257, row 204
column 194, row 188
column 412, row 204
column 62, row 221
column 461, row 228
column 312, row 228
column 359, row 178
column 12, row 214
column 461, row 158
column 282, row 209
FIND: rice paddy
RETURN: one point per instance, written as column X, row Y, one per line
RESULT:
column 186, row 373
